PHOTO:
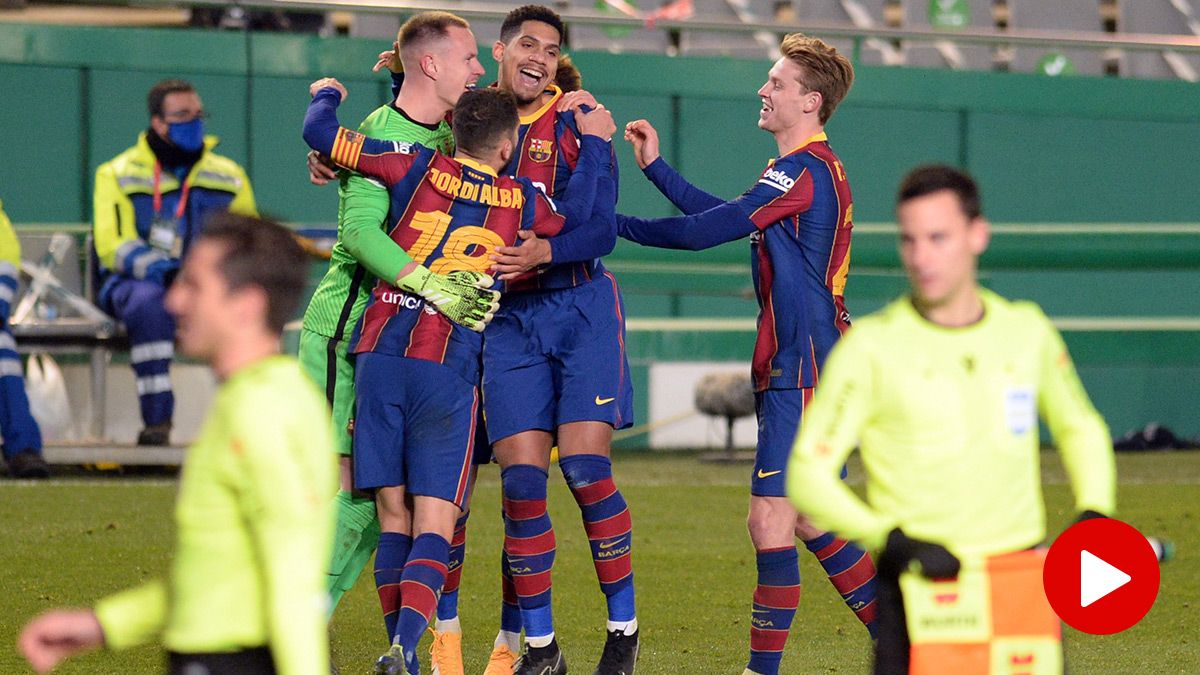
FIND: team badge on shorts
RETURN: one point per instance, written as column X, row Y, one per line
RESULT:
column 540, row 149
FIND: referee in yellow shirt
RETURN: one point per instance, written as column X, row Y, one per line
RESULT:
column 941, row 390
column 253, row 520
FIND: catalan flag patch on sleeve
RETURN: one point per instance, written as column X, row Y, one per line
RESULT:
column 347, row 147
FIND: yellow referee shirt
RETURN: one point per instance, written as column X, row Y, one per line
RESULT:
column 947, row 423
column 254, row 527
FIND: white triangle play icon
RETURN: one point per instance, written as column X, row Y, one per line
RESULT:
column 1097, row 578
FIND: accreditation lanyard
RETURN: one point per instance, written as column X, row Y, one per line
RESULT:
column 183, row 197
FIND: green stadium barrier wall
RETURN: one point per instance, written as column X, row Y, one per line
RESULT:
column 1082, row 152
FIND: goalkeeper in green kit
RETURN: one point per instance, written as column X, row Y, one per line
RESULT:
column 364, row 252
column 253, row 523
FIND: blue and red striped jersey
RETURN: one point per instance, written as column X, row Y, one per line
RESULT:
column 799, row 258
column 450, row 214
column 798, row 216
column 549, row 146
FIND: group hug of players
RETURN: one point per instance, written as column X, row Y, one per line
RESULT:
column 447, row 375
column 522, row 182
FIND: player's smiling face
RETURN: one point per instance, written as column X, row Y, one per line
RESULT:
column 939, row 245
column 785, row 101
column 458, row 66
column 529, row 62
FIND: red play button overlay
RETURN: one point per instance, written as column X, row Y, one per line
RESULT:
column 1101, row 576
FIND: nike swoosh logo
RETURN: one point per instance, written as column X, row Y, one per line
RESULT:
column 602, row 401
column 610, row 544
column 768, row 474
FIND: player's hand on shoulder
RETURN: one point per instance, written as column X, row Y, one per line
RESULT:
column 644, row 138
column 327, row 83
column 389, row 59
column 598, row 122
column 321, row 169
column 513, row 261
column 573, row 99
column 55, row 636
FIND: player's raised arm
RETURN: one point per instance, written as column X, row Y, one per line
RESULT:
column 1079, row 432
column 832, row 424
column 347, row 148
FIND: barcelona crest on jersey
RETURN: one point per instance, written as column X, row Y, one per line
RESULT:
column 540, row 149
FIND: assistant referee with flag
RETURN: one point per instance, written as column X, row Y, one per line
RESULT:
column 941, row 390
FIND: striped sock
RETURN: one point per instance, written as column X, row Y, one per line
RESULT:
column 389, row 567
column 851, row 572
column 422, row 580
column 775, row 602
column 529, row 543
column 609, row 529
column 447, row 608
column 510, row 611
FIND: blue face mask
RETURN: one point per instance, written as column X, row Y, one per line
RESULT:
column 187, row 136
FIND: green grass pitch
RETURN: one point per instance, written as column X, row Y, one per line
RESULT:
column 74, row 540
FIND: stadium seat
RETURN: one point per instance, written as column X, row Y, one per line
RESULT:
column 860, row 13
column 1060, row 15
column 375, row 26
column 616, row 39
column 948, row 53
column 1170, row 17
column 759, row 45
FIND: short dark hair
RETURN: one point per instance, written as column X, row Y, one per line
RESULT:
column 925, row 180
column 427, row 27
column 483, row 118
column 514, row 19
column 261, row 253
column 159, row 92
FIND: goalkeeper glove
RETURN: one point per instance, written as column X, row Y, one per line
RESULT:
column 900, row 551
column 464, row 297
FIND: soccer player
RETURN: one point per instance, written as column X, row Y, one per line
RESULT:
column 253, row 522
column 439, row 53
column 941, row 390
column 555, row 370
column 798, row 217
column 454, row 213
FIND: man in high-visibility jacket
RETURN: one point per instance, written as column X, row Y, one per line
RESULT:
column 942, row 390
column 22, row 437
column 150, row 204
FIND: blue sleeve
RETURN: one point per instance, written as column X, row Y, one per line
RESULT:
column 600, row 236
column 694, row 232
column 685, row 196
column 321, row 127
column 397, row 81
column 579, row 197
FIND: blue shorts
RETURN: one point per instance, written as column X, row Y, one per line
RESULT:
column 555, row 357
column 414, row 427
column 779, row 412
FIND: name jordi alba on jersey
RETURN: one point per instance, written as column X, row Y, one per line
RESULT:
column 453, row 218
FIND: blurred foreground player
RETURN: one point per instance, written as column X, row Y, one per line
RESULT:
column 798, row 216
column 942, row 390
column 245, row 593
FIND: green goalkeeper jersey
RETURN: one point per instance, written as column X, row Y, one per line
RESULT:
column 254, row 527
column 364, row 252
column 947, row 423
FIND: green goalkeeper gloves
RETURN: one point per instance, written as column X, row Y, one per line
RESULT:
column 463, row 297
